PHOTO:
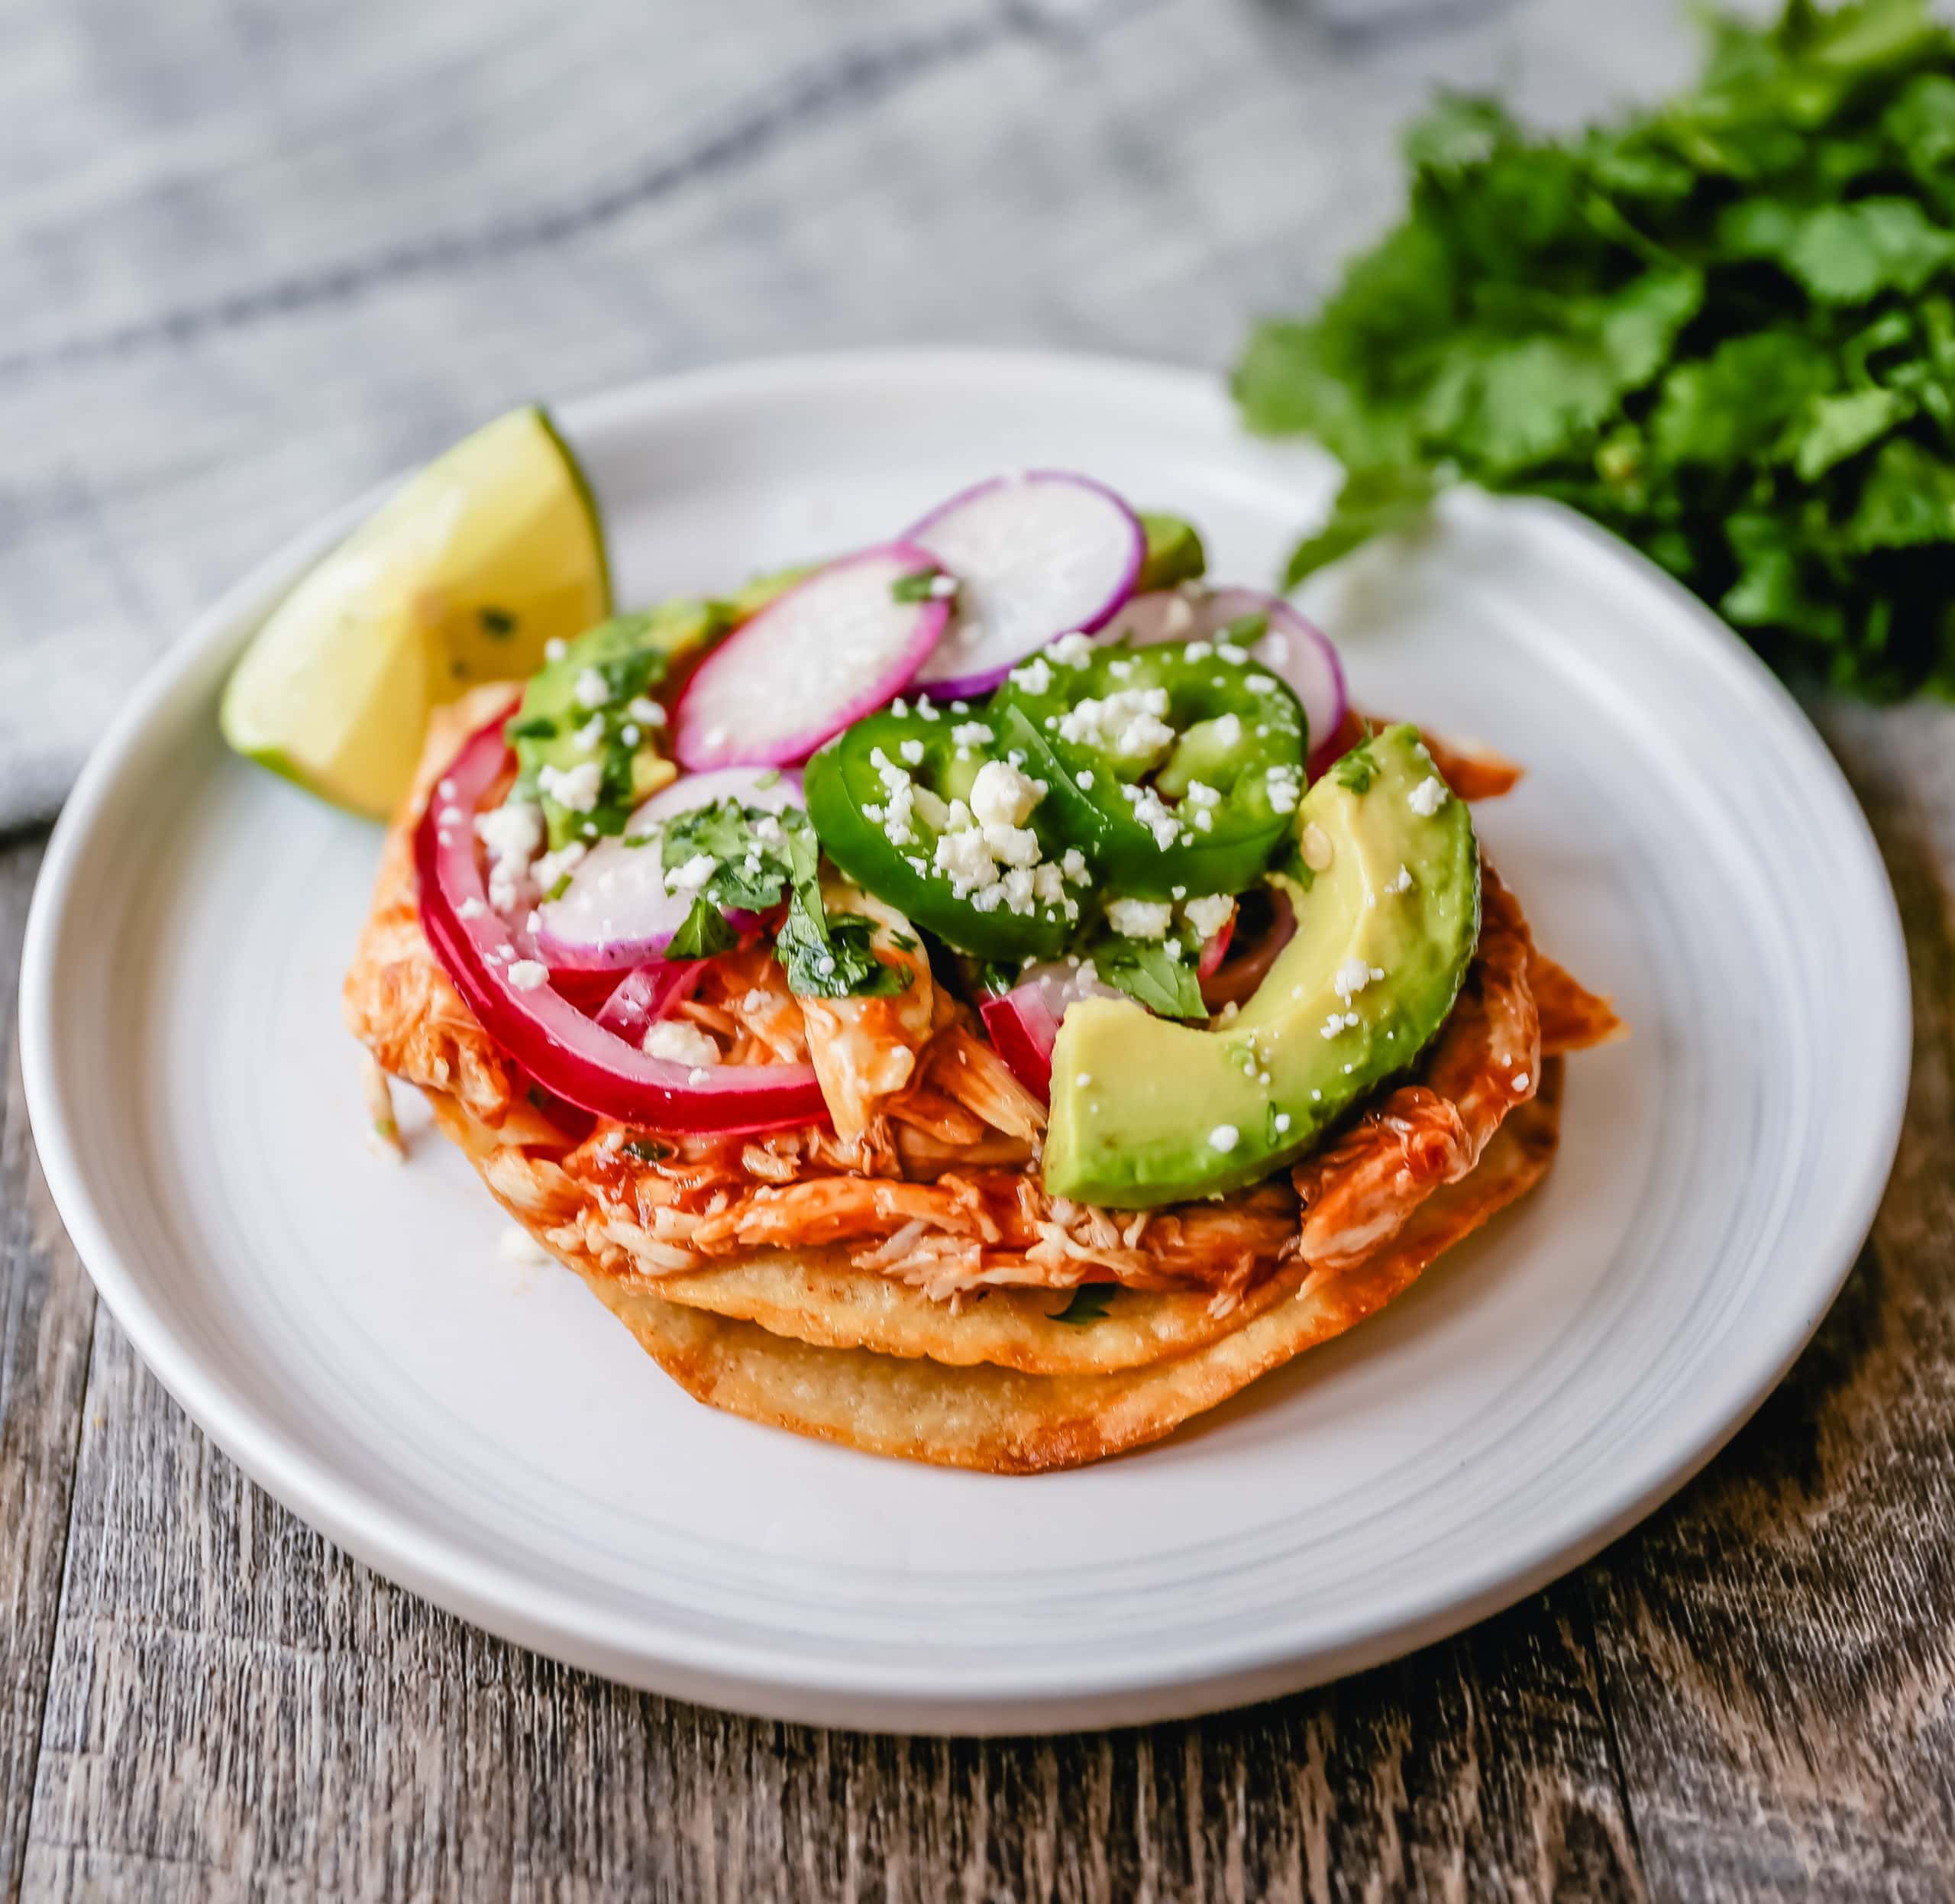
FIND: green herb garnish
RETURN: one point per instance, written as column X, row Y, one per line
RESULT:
column 1357, row 769
column 919, row 585
column 648, row 1150
column 1088, row 1304
column 835, row 961
column 1148, row 970
column 760, row 858
column 1724, row 327
column 705, row 933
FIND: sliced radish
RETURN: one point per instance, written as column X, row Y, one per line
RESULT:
column 1289, row 646
column 1037, row 556
column 1215, row 948
column 617, row 911
column 1024, row 1024
column 831, row 649
column 569, row 1055
column 1261, row 927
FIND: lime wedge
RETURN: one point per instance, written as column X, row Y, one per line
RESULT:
column 460, row 576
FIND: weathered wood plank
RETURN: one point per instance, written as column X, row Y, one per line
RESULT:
column 46, row 1310
column 1778, row 1647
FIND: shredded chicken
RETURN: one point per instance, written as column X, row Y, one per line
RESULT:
column 864, row 1050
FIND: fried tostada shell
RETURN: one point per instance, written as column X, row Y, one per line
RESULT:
column 1002, row 1420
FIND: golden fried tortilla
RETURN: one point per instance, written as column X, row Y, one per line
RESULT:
column 1003, row 1421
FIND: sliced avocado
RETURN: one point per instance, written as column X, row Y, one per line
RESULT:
column 1175, row 553
column 632, row 654
column 1145, row 1111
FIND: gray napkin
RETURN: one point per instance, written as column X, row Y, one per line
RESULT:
column 252, row 259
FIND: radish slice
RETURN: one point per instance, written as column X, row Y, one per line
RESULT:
column 1236, row 980
column 1290, row 647
column 569, row 1054
column 1215, row 948
column 646, row 995
column 1024, row 1024
column 831, row 649
column 616, row 912
column 1037, row 556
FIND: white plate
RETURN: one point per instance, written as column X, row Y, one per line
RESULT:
column 488, row 1435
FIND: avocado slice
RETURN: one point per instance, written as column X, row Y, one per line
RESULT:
column 1145, row 1111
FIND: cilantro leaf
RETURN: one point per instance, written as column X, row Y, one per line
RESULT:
column 1372, row 502
column 1909, row 499
column 1151, row 975
column 1357, row 769
column 1088, row 1304
column 1833, row 428
column 752, row 850
column 704, row 935
column 830, row 956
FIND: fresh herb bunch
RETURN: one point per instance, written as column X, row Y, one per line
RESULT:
column 1724, row 329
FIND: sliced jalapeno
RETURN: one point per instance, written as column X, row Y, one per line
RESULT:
column 923, row 810
column 1176, row 767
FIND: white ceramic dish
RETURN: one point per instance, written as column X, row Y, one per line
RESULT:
column 349, row 1332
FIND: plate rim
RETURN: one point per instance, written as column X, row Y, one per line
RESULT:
column 772, row 1681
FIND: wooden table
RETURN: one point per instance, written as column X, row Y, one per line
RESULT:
column 1753, row 1695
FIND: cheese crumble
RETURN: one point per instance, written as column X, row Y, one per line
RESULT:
column 681, row 1043
column 1140, row 918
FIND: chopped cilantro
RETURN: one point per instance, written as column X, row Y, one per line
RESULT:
column 1357, row 769
column 1245, row 629
column 704, row 935
column 1088, row 1304
column 827, row 957
column 754, row 852
column 648, row 1150
column 1148, row 972
column 996, row 976
column 530, row 727
column 919, row 585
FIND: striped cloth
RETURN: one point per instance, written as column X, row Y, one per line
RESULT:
column 251, row 259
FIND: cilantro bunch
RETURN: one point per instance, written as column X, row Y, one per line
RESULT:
column 1723, row 327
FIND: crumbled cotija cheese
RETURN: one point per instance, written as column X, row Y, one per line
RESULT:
column 1002, row 795
column 1129, row 723
column 680, row 1043
column 575, row 789
column 1140, row 918
column 1207, row 916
